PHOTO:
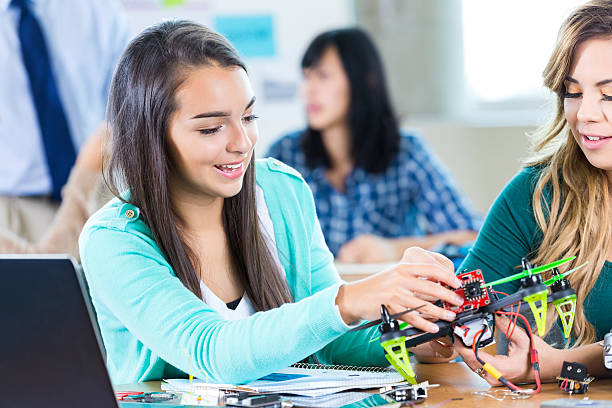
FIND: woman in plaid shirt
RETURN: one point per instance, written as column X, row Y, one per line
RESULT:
column 377, row 191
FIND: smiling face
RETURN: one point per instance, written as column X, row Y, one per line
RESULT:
column 326, row 91
column 212, row 132
column 588, row 101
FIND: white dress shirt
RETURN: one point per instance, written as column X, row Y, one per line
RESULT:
column 85, row 39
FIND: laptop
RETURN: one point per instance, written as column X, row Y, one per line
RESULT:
column 50, row 347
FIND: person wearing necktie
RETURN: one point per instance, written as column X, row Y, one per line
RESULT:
column 57, row 58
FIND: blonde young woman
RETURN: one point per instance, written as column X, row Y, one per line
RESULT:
column 559, row 205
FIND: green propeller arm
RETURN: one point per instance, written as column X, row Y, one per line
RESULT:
column 559, row 277
column 525, row 273
column 507, row 279
column 551, row 265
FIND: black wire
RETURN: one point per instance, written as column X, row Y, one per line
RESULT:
column 484, row 329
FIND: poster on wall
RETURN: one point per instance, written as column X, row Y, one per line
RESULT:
column 252, row 35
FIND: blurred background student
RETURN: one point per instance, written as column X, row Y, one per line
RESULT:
column 377, row 190
column 56, row 59
column 83, row 193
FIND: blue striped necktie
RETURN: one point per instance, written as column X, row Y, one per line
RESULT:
column 57, row 141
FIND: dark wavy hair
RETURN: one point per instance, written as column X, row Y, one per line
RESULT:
column 374, row 129
column 141, row 102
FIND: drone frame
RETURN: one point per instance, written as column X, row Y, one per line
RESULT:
column 396, row 340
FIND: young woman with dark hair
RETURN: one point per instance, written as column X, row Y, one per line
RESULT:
column 377, row 191
column 208, row 261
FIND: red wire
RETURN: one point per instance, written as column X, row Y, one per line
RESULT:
column 524, row 320
column 533, row 351
column 518, row 310
column 475, row 337
column 508, row 383
column 513, row 325
column 510, row 324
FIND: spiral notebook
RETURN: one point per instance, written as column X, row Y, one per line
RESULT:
column 318, row 379
column 310, row 380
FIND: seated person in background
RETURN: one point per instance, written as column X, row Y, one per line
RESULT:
column 56, row 60
column 210, row 262
column 83, row 194
column 560, row 204
column 377, row 191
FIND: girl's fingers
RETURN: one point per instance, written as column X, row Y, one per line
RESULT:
column 429, row 270
column 415, row 318
column 443, row 261
column 429, row 288
column 502, row 323
column 421, row 323
column 417, row 255
column 518, row 336
column 429, row 310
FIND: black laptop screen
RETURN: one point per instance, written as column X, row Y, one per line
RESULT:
column 49, row 350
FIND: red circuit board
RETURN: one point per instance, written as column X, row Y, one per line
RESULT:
column 472, row 290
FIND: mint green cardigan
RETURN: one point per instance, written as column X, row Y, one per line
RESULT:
column 153, row 327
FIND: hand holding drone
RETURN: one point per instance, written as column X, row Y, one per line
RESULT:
column 421, row 275
column 474, row 322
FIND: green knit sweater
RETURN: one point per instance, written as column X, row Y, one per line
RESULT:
column 510, row 232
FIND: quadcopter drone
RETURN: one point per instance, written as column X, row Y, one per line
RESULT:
column 474, row 321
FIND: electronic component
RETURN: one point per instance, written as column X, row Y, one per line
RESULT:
column 574, row 378
column 472, row 290
column 245, row 399
column 469, row 330
column 406, row 392
column 148, row 397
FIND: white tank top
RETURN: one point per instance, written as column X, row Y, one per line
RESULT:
column 245, row 307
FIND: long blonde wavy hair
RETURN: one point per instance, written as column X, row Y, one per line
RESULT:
column 571, row 200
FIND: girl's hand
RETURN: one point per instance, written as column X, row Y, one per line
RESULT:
column 417, row 277
column 516, row 366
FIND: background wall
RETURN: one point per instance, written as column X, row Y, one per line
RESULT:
column 422, row 45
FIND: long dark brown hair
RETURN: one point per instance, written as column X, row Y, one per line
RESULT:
column 375, row 136
column 141, row 102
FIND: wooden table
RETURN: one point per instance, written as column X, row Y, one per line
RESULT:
column 458, row 381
